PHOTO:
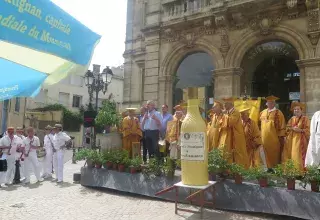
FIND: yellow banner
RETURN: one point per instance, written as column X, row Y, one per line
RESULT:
column 254, row 107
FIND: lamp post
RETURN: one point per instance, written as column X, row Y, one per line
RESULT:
column 97, row 82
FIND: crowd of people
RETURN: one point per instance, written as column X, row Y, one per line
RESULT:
column 22, row 145
column 266, row 143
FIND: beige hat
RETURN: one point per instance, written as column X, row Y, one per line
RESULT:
column 58, row 126
column 48, row 127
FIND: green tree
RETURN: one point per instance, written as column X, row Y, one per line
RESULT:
column 71, row 121
column 108, row 115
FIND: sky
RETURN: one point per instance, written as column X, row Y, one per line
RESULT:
column 108, row 19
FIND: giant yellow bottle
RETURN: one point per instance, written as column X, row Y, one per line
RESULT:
column 194, row 144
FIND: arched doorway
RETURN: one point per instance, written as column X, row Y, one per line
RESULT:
column 195, row 70
column 270, row 69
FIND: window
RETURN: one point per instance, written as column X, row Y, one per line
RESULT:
column 76, row 101
column 42, row 96
column 17, row 105
column 64, row 98
column 77, row 80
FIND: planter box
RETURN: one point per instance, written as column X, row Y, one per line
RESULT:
column 247, row 197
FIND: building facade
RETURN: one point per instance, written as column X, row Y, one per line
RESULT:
column 257, row 48
column 12, row 113
column 73, row 93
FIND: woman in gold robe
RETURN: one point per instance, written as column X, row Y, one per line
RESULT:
column 213, row 126
column 297, row 139
column 131, row 131
column 273, row 130
column 232, row 139
column 253, row 140
column 173, row 132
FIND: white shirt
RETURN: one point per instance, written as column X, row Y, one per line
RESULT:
column 272, row 110
column 15, row 142
column 313, row 154
column 59, row 140
column 34, row 141
column 48, row 141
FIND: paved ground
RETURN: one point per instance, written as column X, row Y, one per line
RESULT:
column 72, row 201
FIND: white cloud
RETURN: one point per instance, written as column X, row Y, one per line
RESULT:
column 105, row 17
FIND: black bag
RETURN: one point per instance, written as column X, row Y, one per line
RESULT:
column 3, row 165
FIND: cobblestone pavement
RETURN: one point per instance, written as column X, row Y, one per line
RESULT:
column 70, row 201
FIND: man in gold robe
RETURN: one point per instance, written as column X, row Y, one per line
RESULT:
column 253, row 139
column 173, row 132
column 213, row 126
column 273, row 131
column 232, row 139
column 131, row 131
column 297, row 138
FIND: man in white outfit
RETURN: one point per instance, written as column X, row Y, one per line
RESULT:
column 9, row 144
column 48, row 146
column 60, row 141
column 31, row 143
column 313, row 151
column 20, row 134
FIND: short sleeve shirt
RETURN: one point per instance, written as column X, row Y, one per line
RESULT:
column 59, row 140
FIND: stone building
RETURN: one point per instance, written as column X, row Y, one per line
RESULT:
column 255, row 47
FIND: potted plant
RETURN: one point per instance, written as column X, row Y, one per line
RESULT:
column 122, row 159
column 260, row 174
column 238, row 171
column 98, row 161
column 154, row 168
column 92, row 155
column 126, row 164
column 312, row 177
column 289, row 171
column 107, row 156
column 135, row 164
column 108, row 116
column 217, row 164
column 169, row 167
column 83, row 154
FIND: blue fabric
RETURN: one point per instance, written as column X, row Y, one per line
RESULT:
column 43, row 26
column 19, row 81
column 150, row 124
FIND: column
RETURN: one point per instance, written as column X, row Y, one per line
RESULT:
column 151, row 84
column 227, row 82
column 310, row 84
column 165, row 90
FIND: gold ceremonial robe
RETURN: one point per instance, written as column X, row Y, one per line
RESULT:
column 253, row 141
column 131, row 133
column 173, row 130
column 213, row 131
column 297, row 142
column 272, row 128
column 232, row 139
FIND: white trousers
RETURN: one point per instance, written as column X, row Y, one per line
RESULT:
column 11, row 161
column 58, row 164
column 47, row 162
column 31, row 162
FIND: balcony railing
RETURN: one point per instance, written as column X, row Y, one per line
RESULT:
column 178, row 9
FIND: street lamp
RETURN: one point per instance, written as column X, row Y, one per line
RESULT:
column 96, row 82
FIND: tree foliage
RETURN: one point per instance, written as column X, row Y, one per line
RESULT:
column 108, row 115
column 71, row 120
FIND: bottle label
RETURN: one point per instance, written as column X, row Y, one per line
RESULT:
column 193, row 146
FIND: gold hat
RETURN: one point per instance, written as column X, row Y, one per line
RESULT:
column 210, row 111
column 58, row 126
column 131, row 109
column 295, row 104
column 272, row 98
column 229, row 99
column 178, row 108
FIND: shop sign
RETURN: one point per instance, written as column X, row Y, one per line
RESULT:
column 294, row 96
